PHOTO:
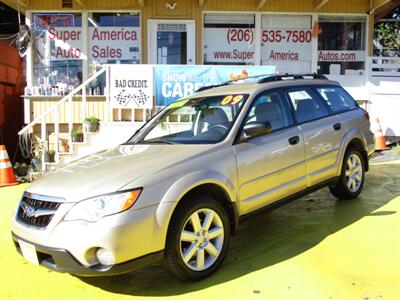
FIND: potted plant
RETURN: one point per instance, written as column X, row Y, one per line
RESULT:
column 64, row 145
column 21, row 169
column 77, row 136
column 91, row 124
column 49, row 156
column 37, row 150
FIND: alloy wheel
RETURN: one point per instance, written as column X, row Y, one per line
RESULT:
column 353, row 173
column 201, row 239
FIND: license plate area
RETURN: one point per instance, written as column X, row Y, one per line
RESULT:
column 29, row 252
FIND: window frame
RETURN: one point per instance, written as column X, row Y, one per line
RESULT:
column 332, row 112
column 238, row 139
column 314, row 95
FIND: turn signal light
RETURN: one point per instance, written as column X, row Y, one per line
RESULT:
column 131, row 199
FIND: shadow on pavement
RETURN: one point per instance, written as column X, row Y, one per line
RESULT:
column 271, row 237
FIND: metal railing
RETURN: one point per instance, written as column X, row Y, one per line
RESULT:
column 54, row 109
column 382, row 66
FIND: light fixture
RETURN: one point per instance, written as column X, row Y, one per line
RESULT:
column 171, row 6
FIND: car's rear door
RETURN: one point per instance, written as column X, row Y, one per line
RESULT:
column 272, row 166
column 321, row 131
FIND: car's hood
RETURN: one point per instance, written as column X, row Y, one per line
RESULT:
column 108, row 171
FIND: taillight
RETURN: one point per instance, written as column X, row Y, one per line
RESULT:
column 366, row 114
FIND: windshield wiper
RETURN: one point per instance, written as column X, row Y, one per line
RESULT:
column 157, row 142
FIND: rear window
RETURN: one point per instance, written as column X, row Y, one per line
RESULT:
column 337, row 98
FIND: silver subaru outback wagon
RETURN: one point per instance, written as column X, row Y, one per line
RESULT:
column 177, row 189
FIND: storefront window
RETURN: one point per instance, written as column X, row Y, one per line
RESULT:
column 229, row 39
column 57, row 53
column 114, row 38
column 341, row 45
column 286, row 42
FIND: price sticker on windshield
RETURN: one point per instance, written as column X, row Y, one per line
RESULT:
column 178, row 104
column 231, row 100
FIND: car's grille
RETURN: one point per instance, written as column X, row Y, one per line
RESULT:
column 36, row 212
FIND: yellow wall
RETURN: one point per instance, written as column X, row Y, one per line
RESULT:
column 185, row 9
column 190, row 9
column 95, row 106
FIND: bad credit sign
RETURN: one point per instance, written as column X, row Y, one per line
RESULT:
column 131, row 86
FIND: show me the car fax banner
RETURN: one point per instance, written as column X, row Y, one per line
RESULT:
column 174, row 82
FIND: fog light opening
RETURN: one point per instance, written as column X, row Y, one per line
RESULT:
column 106, row 258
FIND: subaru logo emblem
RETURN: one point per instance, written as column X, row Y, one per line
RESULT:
column 29, row 210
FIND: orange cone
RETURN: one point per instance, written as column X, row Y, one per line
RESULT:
column 379, row 138
column 7, row 176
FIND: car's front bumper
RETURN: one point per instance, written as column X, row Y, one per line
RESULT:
column 61, row 260
column 72, row 245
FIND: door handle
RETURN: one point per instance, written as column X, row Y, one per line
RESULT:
column 337, row 126
column 294, row 140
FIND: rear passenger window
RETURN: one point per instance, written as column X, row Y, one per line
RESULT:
column 337, row 98
column 306, row 107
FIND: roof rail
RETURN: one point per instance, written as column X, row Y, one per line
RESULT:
column 287, row 76
column 206, row 87
column 265, row 78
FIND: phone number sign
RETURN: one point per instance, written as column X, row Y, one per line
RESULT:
column 286, row 44
column 230, row 45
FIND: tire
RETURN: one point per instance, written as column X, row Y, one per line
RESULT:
column 352, row 177
column 204, row 246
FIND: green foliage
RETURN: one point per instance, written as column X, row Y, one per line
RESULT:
column 19, row 165
column 38, row 148
column 76, row 132
column 389, row 35
column 398, row 150
column 92, row 119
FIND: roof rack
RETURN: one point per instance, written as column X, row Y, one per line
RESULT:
column 287, row 76
column 265, row 78
column 206, row 87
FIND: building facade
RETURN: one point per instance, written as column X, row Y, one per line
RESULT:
column 72, row 39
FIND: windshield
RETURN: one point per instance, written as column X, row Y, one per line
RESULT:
column 205, row 120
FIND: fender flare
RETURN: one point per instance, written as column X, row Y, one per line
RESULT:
column 350, row 136
column 185, row 184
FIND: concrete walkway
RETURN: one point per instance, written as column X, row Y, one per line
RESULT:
column 315, row 248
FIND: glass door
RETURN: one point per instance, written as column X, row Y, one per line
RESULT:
column 171, row 42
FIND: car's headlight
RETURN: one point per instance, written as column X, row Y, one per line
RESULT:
column 94, row 209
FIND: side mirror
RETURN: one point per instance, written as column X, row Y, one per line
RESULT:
column 255, row 129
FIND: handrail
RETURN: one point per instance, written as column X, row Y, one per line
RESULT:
column 62, row 100
column 384, row 66
column 55, row 109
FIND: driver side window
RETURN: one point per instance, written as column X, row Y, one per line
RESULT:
column 273, row 108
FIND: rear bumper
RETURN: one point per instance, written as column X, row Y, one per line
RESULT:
column 61, row 260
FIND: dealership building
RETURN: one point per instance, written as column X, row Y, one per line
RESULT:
column 74, row 39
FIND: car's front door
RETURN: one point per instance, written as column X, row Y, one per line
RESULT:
column 271, row 166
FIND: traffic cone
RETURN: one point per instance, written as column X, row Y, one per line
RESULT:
column 7, row 176
column 379, row 138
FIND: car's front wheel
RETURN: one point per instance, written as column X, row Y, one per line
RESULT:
column 198, row 238
column 352, row 177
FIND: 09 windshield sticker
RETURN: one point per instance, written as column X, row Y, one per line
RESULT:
column 178, row 104
column 232, row 99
